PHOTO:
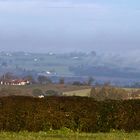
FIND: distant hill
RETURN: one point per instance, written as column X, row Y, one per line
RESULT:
column 109, row 66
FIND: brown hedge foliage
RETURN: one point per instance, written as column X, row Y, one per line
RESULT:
column 108, row 92
column 76, row 113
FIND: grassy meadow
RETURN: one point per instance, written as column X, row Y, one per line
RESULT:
column 83, row 92
column 59, row 135
column 27, row 90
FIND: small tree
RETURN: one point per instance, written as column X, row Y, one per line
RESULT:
column 61, row 81
column 51, row 93
column 43, row 79
column 37, row 92
column 30, row 78
column 90, row 80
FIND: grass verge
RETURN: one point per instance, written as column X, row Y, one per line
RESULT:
column 68, row 135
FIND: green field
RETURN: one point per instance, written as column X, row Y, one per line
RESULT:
column 82, row 93
column 68, row 136
column 27, row 90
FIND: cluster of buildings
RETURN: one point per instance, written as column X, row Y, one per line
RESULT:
column 15, row 82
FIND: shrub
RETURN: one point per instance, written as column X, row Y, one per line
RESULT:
column 108, row 92
column 37, row 92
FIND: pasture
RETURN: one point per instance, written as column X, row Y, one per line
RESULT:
column 82, row 93
column 27, row 90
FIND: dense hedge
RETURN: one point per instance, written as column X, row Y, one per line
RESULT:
column 75, row 113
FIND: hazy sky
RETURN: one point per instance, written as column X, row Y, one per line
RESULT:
column 69, row 25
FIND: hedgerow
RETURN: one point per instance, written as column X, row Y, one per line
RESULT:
column 81, row 114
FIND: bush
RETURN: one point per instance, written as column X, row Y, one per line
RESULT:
column 108, row 92
column 37, row 92
column 51, row 93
